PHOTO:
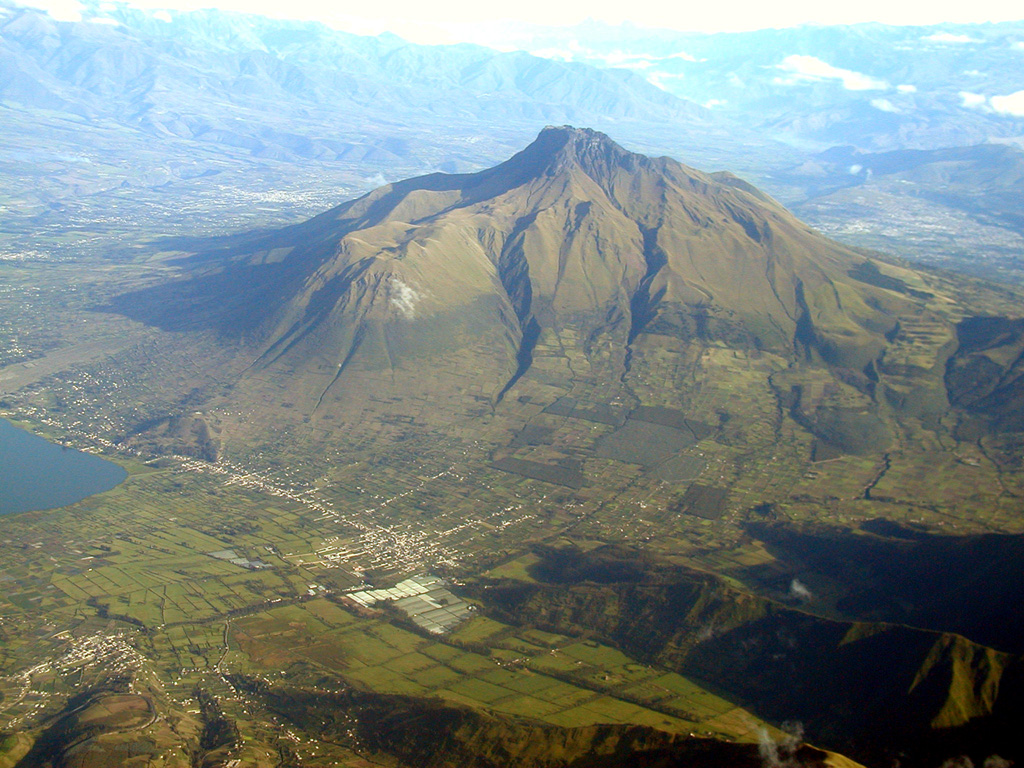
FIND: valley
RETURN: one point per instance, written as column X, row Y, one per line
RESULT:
column 669, row 460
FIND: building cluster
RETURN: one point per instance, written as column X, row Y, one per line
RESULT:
column 424, row 599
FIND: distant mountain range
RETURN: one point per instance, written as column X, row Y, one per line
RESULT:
column 958, row 207
column 292, row 90
column 133, row 116
column 875, row 86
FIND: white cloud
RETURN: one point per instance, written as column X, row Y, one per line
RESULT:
column 662, row 79
column 906, row 88
column 855, row 169
column 948, row 37
column 104, row 20
column 884, row 105
column 404, row 298
column 162, row 15
column 682, row 55
column 712, row 103
column 638, row 60
column 969, row 99
column 810, row 69
column 1011, row 104
column 1008, row 104
column 60, row 10
column 1018, row 46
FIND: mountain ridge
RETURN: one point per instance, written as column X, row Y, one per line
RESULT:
column 144, row 72
column 573, row 244
column 873, row 690
column 604, row 185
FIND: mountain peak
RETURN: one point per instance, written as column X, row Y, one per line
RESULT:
column 560, row 148
column 567, row 141
column 570, row 134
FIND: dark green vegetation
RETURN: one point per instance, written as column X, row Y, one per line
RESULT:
column 969, row 585
column 79, row 729
column 873, row 689
column 640, row 414
column 431, row 734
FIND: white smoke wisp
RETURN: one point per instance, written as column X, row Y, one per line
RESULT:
column 707, row 632
column 800, row 591
column 782, row 753
column 767, row 749
column 794, row 736
column 404, row 298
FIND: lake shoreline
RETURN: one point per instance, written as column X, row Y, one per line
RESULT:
column 37, row 474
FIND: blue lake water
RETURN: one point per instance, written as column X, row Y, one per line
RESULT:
column 38, row 474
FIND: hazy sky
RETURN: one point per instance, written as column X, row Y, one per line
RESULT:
column 449, row 20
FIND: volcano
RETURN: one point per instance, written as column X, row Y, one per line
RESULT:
column 573, row 262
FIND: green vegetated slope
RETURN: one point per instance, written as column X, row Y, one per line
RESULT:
column 107, row 725
column 434, row 734
column 869, row 689
column 985, row 376
column 970, row 585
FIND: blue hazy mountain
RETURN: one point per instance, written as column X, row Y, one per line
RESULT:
column 302, row 90
column 874, row 86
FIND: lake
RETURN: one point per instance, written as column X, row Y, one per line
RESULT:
column 38, row 474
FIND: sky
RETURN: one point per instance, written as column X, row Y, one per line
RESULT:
column 440, row 21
